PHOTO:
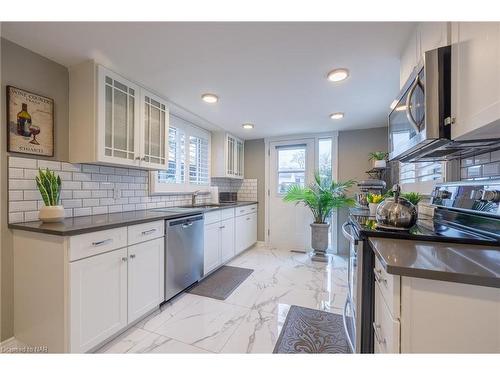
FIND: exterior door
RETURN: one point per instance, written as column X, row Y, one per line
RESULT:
column 291, row 162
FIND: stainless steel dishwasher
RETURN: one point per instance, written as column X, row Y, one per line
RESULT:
column 183, row 253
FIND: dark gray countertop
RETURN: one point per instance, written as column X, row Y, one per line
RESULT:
column 462, row 263
column 85, row 224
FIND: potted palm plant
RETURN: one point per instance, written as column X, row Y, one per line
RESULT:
column 322, row 197
column 49, row 186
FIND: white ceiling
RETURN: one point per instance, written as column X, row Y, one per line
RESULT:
column 270, row 74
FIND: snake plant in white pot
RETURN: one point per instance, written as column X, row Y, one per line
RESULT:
column 322, row 197
column 49, row 186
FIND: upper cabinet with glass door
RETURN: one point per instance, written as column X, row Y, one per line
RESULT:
column 227, row 156
column 114, row 121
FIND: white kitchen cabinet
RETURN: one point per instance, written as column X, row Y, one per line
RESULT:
column 145, row 277
column 114, row 121
column 227, row 240
column 98, row 299
column 212, row 247
column 227, row 156
column 154, row 147
column 475, row 106
column 414, row 315
column 245, row 231
column 424, row 37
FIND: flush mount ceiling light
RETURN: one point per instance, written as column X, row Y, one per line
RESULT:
column 338, row 75
column 337, row 115
column 247, row 126
column 210, row 98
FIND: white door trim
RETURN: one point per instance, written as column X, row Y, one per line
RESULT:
column 317, row 136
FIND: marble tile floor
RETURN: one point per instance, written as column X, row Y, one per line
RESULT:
column 250, row 320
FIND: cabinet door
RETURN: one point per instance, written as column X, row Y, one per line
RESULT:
column 230, row 156
column 475, row 79
column 155, row 121
column 252, row 230
column 145, row 277
column 227, row 240
column 118, row 119
column 239, row 162
column 211, row 257
column 98, row 299
column 241, row 236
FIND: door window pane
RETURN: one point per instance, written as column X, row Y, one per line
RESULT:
column 325, row 158
column 291, row 167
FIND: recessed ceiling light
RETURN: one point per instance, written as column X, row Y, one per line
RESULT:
column 247, row 126
column 210, row 98
column 337, row 115
column 337, row 75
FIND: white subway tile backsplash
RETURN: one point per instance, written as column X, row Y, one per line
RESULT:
column 87, row 189
column 52, row 165
column 82, row 211
column 16, row 173
column 16, row 162
column 71, row 167
column 22, row 206
column 100, row 210
column 82, row 194
column 481, row 167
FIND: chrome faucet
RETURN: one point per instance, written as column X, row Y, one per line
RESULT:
column 193, row 197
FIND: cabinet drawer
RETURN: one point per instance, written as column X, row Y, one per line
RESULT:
column 390, row 287
column 246, row 210
column 386, row 328
column 147, row 231
column 88, row 244
column 212, row 217
column 227, row 213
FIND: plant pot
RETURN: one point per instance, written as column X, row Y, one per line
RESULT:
column 373, row 208
column 319, row 241
column 379, row 164
column 51, row 214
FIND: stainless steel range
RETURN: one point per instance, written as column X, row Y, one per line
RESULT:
column 464, row 212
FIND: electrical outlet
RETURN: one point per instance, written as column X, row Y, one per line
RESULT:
column 117, row 193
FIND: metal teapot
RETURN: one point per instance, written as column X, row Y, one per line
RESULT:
column 396, row 213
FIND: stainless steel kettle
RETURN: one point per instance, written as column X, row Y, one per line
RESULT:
column 397, row 212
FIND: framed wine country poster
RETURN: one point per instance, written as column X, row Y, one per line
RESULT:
column 30, row 121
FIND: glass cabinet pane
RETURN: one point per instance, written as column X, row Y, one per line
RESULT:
column 119, row 119
column 155, row 131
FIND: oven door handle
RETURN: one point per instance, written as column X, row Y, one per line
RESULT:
column 409, row 115
column 347, row 233
column 344, row 319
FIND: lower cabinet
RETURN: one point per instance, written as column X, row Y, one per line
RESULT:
column 145, row 277
column 111, row 290
column 98, row 299
column 245, row 231
column 219, row 244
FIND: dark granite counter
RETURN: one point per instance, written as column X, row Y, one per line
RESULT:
column 462, row 263
column 85, row 224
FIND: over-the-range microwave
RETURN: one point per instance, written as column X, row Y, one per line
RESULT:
column 419, row 120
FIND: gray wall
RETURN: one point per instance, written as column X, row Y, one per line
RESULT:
column 27, row 70
column 354, row 147
column 255, row 153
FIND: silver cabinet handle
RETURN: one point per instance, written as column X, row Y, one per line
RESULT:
column 124, row 259
column 378, row 276
column 222, row 227
column 146, row 232
column 409, row 115
column 376, row 331
column 132, row 256
column 248, row 218
column 103, row 242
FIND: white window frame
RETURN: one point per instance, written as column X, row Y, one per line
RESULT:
column 164, row 188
